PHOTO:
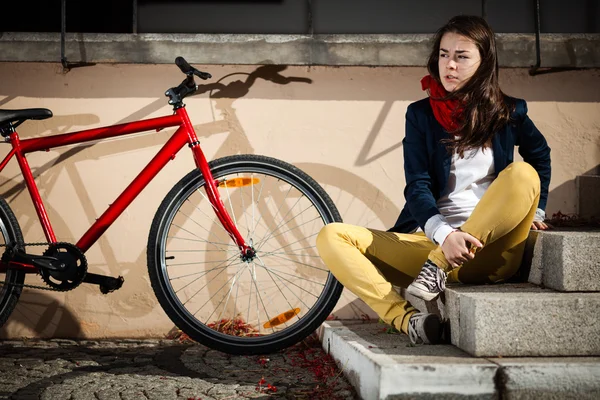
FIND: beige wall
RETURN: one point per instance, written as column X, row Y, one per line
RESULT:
column 343, row 126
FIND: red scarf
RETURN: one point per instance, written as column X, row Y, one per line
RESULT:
column 447, row 112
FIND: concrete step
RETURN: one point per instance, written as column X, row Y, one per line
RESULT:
column 566, row 260
column 518, row 320
column 386, row 366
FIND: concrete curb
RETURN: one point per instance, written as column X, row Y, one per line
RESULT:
column 386, row 366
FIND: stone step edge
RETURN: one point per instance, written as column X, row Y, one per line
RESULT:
column 528, row 376
column 376, row 376
column 562, row 259
column 440, row 305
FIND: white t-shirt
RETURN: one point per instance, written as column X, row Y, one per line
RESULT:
column 469, row 178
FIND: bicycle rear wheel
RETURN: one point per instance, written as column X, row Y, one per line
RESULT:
column 238, row 306
column 12, row 280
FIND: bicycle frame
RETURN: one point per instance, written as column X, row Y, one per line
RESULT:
column 184, row 134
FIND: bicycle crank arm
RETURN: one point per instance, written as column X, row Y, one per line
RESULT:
column 107, row 284
column 31, row 262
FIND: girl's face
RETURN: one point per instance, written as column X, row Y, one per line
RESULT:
column 459, row 59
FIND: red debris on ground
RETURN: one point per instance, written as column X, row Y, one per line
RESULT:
column 309, row 355
column 180, row 336
column 572, row 220
column 261, row 388
column 234, row 327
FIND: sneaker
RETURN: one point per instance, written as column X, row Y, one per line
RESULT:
column 424, row 328
column 430, row 282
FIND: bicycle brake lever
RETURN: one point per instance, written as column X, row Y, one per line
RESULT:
column 202, row 75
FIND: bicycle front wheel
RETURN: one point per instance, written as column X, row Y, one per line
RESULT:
column 236, row 305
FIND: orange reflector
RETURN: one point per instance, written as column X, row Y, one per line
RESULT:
column 238, row 182
column 281, row 318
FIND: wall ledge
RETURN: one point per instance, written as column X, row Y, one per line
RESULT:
column 515, row 50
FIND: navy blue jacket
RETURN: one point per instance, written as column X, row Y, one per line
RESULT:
column 427, row 162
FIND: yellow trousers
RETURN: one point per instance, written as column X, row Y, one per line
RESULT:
column 368, row 262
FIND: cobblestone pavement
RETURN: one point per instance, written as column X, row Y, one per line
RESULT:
column 164, row 369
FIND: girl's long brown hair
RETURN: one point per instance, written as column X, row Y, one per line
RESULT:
column 485, row 109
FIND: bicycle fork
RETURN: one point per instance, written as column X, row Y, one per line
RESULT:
column 247, row 252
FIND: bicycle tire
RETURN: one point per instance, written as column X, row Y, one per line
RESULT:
column 11, row 289
column 275, row 176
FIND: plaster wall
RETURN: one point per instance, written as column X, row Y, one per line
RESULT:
column 342, row 125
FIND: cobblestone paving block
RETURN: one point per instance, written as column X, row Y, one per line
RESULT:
column 163, row 370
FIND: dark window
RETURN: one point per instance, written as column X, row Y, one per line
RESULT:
column 106, row 16
column 293, row 16
column 218, row 16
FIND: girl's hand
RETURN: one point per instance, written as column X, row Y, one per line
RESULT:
column 459, row 247
column 539, row 225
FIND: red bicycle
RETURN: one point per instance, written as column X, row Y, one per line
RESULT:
column 231, row 249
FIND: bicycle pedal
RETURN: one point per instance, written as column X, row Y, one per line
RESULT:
column 107, row 284
column 111, row 284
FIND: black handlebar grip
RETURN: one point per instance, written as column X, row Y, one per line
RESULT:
column 183, row 65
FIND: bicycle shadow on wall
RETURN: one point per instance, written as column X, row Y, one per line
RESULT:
column 48, row 177
column 339, row 183
column 43, row 315
column 347, row 190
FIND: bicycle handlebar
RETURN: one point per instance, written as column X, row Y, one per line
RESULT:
column 188, row 86
column 186, row 68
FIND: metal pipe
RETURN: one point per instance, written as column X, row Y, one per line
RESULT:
column 310, row 18
column 484, row 9
column 534, row 69
column 135, row 17
column 63, row 29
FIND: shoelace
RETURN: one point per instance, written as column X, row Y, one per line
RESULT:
column 413, row 335
column 432, row 277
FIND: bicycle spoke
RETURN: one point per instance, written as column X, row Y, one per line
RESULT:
column 253, row 205
column 294, row 284
column 261, row 300
column 291, row 229
column 257, row 201
column 195, row 280
column 217, row 291
column 290, row 244
column 301, row 263
column 245, row 214
column 227, row 295
column 298, row 277
column 198, row 263
column 292, row 254
column 283, row 218
column 212, row 269
column 195, row 273
column 203, row 241
column 196, row 251
column 230, row 204
column 278, row 288
column 195, row 222
column 207, row 283
column 287, row 280
column 212, row 218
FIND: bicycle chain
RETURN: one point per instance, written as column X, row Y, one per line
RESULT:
column 22, row 285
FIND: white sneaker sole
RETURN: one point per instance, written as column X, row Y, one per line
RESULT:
column 420, row 293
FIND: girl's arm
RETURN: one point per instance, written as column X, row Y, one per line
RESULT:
column 418, row 193
column 534, row 149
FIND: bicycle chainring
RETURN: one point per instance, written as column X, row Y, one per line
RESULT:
column 76, row 269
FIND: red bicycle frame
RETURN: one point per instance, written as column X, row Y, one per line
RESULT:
column 184, row 134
